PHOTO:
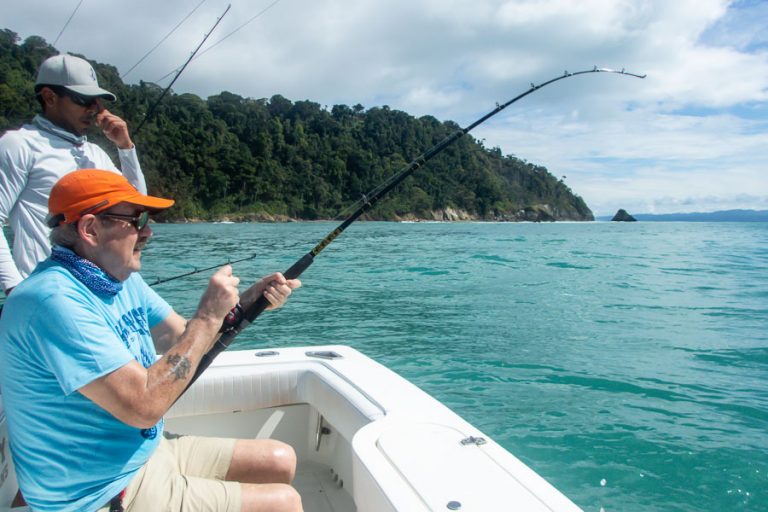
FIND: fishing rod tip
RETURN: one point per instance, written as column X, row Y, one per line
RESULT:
column 622, row 71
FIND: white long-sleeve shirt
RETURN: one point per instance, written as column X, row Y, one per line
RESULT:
column 32, row 159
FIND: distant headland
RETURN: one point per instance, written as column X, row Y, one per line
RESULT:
column 719, row 216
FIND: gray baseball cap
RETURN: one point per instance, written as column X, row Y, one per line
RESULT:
column 72, row 73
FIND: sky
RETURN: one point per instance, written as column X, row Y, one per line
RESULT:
column 690, row 137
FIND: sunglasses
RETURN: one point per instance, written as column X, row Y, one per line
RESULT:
column 82, row 101
column 77, row 99
column 138, row 221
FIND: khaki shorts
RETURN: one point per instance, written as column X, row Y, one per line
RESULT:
column 185, row 474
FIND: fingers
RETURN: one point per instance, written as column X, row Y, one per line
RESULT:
column 276, row 295
column 220, row 296
column 278, row 289
column 114, row 128
column 275, row 288
column 279, row 278
column 226, row 283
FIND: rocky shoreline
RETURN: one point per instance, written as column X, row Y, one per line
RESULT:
column 535, row 213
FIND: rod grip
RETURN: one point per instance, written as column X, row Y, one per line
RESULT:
column 299, row 267
column 238, row 319
column 237, row 314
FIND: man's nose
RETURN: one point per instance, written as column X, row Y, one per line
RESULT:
column 96, row 106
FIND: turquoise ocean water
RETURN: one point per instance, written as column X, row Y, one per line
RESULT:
column 625, row 363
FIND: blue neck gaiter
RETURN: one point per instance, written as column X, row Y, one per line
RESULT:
column 98, row 281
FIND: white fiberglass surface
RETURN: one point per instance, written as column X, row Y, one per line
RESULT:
column 323, row 476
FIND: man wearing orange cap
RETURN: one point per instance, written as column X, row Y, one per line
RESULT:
column 34, row 157
column 83, row 390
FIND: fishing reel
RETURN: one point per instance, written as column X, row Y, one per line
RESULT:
column 233, row 318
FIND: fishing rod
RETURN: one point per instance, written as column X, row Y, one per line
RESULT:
column 67, row 23
column 198, row 270
column 124, row 75
column 238, row 319
column 230, row 34
column 181, row 70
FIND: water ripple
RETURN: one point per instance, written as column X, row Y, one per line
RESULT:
column 627, row 364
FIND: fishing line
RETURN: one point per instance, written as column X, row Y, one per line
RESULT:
column 228, row 35
column 165, row 91
column 238, row 319
column 67, row 23
column 163, row 39
column 198, row 270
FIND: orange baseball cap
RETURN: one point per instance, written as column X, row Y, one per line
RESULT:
column 92, row 191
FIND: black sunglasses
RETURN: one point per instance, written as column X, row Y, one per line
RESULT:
column 138, row 221
column 77, row 99
column 83, row 101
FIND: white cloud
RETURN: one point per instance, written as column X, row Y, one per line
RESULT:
column 689, row 136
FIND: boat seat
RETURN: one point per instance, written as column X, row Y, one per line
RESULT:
column 250, row 387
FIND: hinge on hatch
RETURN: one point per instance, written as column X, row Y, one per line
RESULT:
column 473, row 440
column 321, row 431
column 324, row 354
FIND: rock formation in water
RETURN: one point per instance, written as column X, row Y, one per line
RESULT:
column 623, row 216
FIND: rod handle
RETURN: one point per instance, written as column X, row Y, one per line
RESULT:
column 237, row 314
column 299, row 267
column 238, row 319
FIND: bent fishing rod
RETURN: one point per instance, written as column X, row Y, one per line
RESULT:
column 240, row 318
column 198, row 270
column 181, row 70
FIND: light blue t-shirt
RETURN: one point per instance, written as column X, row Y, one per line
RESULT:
column 56, row 336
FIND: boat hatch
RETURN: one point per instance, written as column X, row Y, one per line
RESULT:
column 324, row 354
column 434, row 458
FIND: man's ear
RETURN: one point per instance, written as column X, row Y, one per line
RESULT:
column 88, row 229
column 49, row 97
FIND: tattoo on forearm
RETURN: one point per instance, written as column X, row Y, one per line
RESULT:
column 180, row 366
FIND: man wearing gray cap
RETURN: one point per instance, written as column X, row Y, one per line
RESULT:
column 33, row 158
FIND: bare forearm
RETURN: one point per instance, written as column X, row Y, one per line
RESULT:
column 140, row 396
column 169, row 376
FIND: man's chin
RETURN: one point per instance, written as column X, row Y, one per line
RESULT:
column 136, row 260
column 83, row 127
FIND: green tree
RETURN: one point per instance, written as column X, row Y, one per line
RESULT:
column 230, row 155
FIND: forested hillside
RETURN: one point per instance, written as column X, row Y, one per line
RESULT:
column 242, row 158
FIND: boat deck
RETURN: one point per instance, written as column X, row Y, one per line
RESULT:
column 320, row 490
